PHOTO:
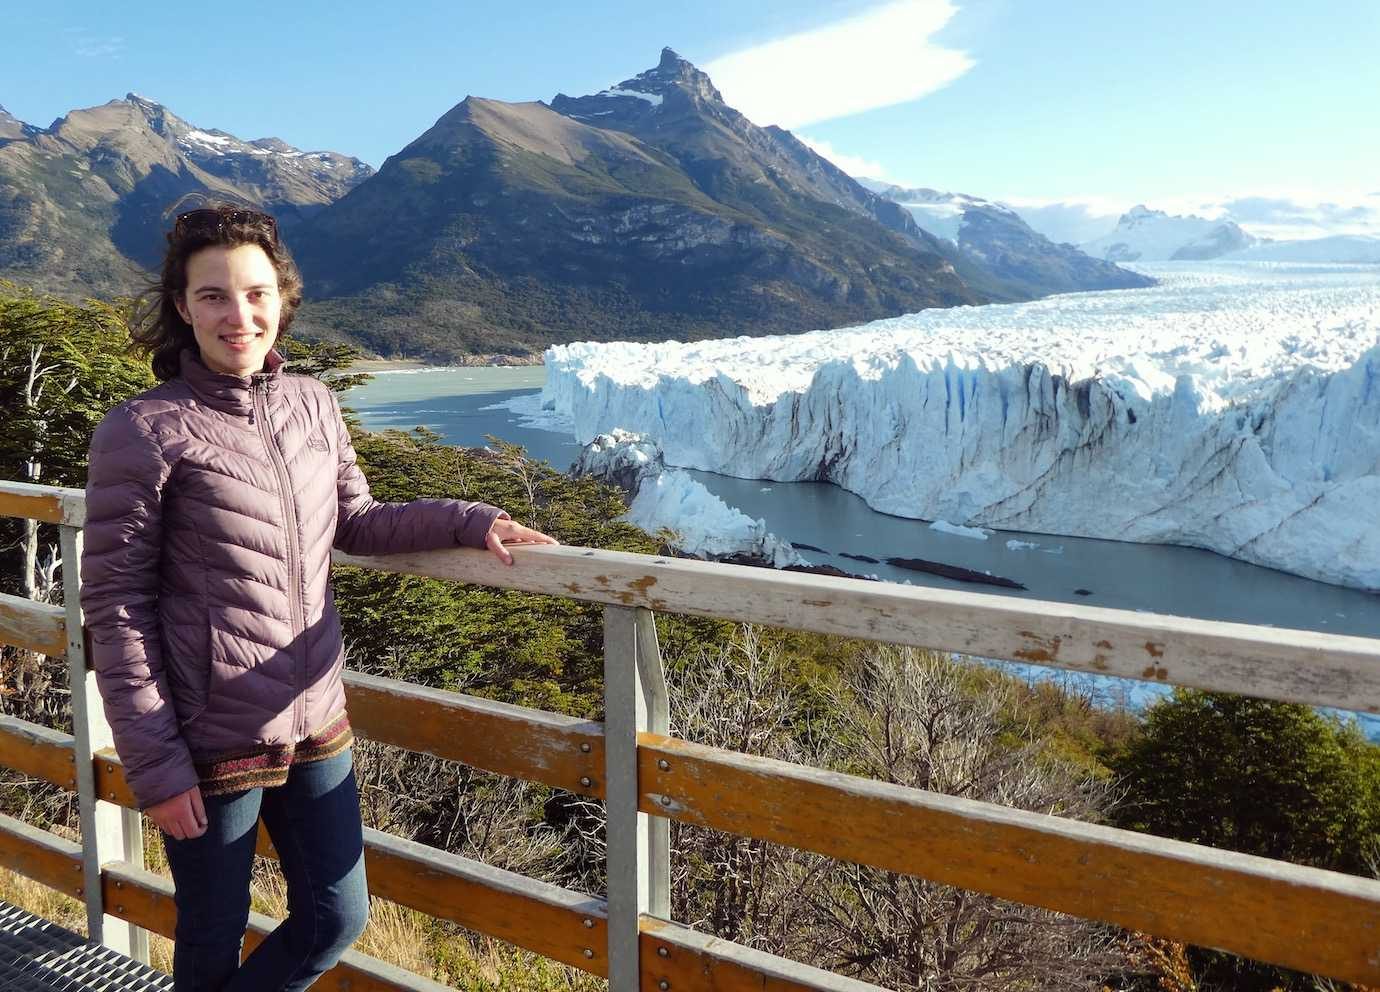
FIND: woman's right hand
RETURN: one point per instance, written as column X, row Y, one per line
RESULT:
column 182, row 817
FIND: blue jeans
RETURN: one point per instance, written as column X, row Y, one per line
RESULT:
column 314, row 822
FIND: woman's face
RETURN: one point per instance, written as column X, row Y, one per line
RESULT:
column 233, row 306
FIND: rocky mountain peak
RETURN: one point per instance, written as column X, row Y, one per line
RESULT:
column 1139, row 214
column 675, row 71
column 11, row 127
column 162, row 120
column 674, row 84
column 96, row 182
column 1146, row 235
column 272, row 145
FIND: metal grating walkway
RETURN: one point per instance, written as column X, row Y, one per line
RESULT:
column 37, row 955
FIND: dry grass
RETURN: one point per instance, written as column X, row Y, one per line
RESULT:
column 436, row 949
column 395, row 934
column 42, row 901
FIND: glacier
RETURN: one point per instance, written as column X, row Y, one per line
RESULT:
column 1234, row 407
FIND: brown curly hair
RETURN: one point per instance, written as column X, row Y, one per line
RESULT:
column 158, row 330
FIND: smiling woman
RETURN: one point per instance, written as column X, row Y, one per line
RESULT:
column 213, row 503
column 228, row 287
column 233, row 306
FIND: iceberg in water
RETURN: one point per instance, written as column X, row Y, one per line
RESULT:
column 705, row 525
column 1235, row 407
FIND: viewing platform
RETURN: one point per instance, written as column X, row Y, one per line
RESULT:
column 1298, row 917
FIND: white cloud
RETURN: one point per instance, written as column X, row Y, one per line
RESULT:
column 876, row 59
column 1284, row 214
column 1095, row 205
column 97, row 48
column 855, row 165
column 1072, row 220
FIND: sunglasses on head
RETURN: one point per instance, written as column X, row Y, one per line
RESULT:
column 211, row 221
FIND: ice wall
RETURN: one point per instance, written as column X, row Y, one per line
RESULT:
column 1233, row 407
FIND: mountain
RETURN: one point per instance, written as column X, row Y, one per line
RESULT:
column 1273, row 217
column 292, row 184
column 995, row 238
column 12, row 128
column 675, row 107
column 1145, row 235
column 650, row 210
column 81, row 202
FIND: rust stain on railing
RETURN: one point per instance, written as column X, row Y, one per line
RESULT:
column 636, row 593
column 1045, row 651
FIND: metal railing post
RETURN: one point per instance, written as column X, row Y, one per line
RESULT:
column 108, row 832
column 638, row 845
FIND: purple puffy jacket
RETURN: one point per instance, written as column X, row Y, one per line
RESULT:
column 212, row 503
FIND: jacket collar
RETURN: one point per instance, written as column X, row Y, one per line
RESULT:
column 223, row 391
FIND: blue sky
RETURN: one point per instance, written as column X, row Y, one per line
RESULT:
column 1160, row 101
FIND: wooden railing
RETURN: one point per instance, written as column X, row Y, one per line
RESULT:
column 1299, row 917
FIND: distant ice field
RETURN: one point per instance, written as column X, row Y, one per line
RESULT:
column 1234, row 327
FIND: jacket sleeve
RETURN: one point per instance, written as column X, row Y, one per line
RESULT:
column 120, row 579
column 367, row 527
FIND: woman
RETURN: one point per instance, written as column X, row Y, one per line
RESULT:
column 213, row 501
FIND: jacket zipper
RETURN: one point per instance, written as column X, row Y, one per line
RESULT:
column 260, row 419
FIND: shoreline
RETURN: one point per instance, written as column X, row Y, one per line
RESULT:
column 465, row 361
column 384, row 364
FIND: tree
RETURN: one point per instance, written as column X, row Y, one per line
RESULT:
column 62, row 366
column 328, row 361
column 541, row 651
column 1274, row 779
column 919, row 719
column 901, row 715
column 1251, row 775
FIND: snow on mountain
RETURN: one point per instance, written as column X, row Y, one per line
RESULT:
column 1235, row 407
column 1275, row 216
column 1153, row 235
column 706, row 526
column 942, row 214
column 263, row 163
column 1145, row 235
column 943, row 220
column 993, row 238
column 653, row 98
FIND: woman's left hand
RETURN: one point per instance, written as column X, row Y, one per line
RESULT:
column 505, row 531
